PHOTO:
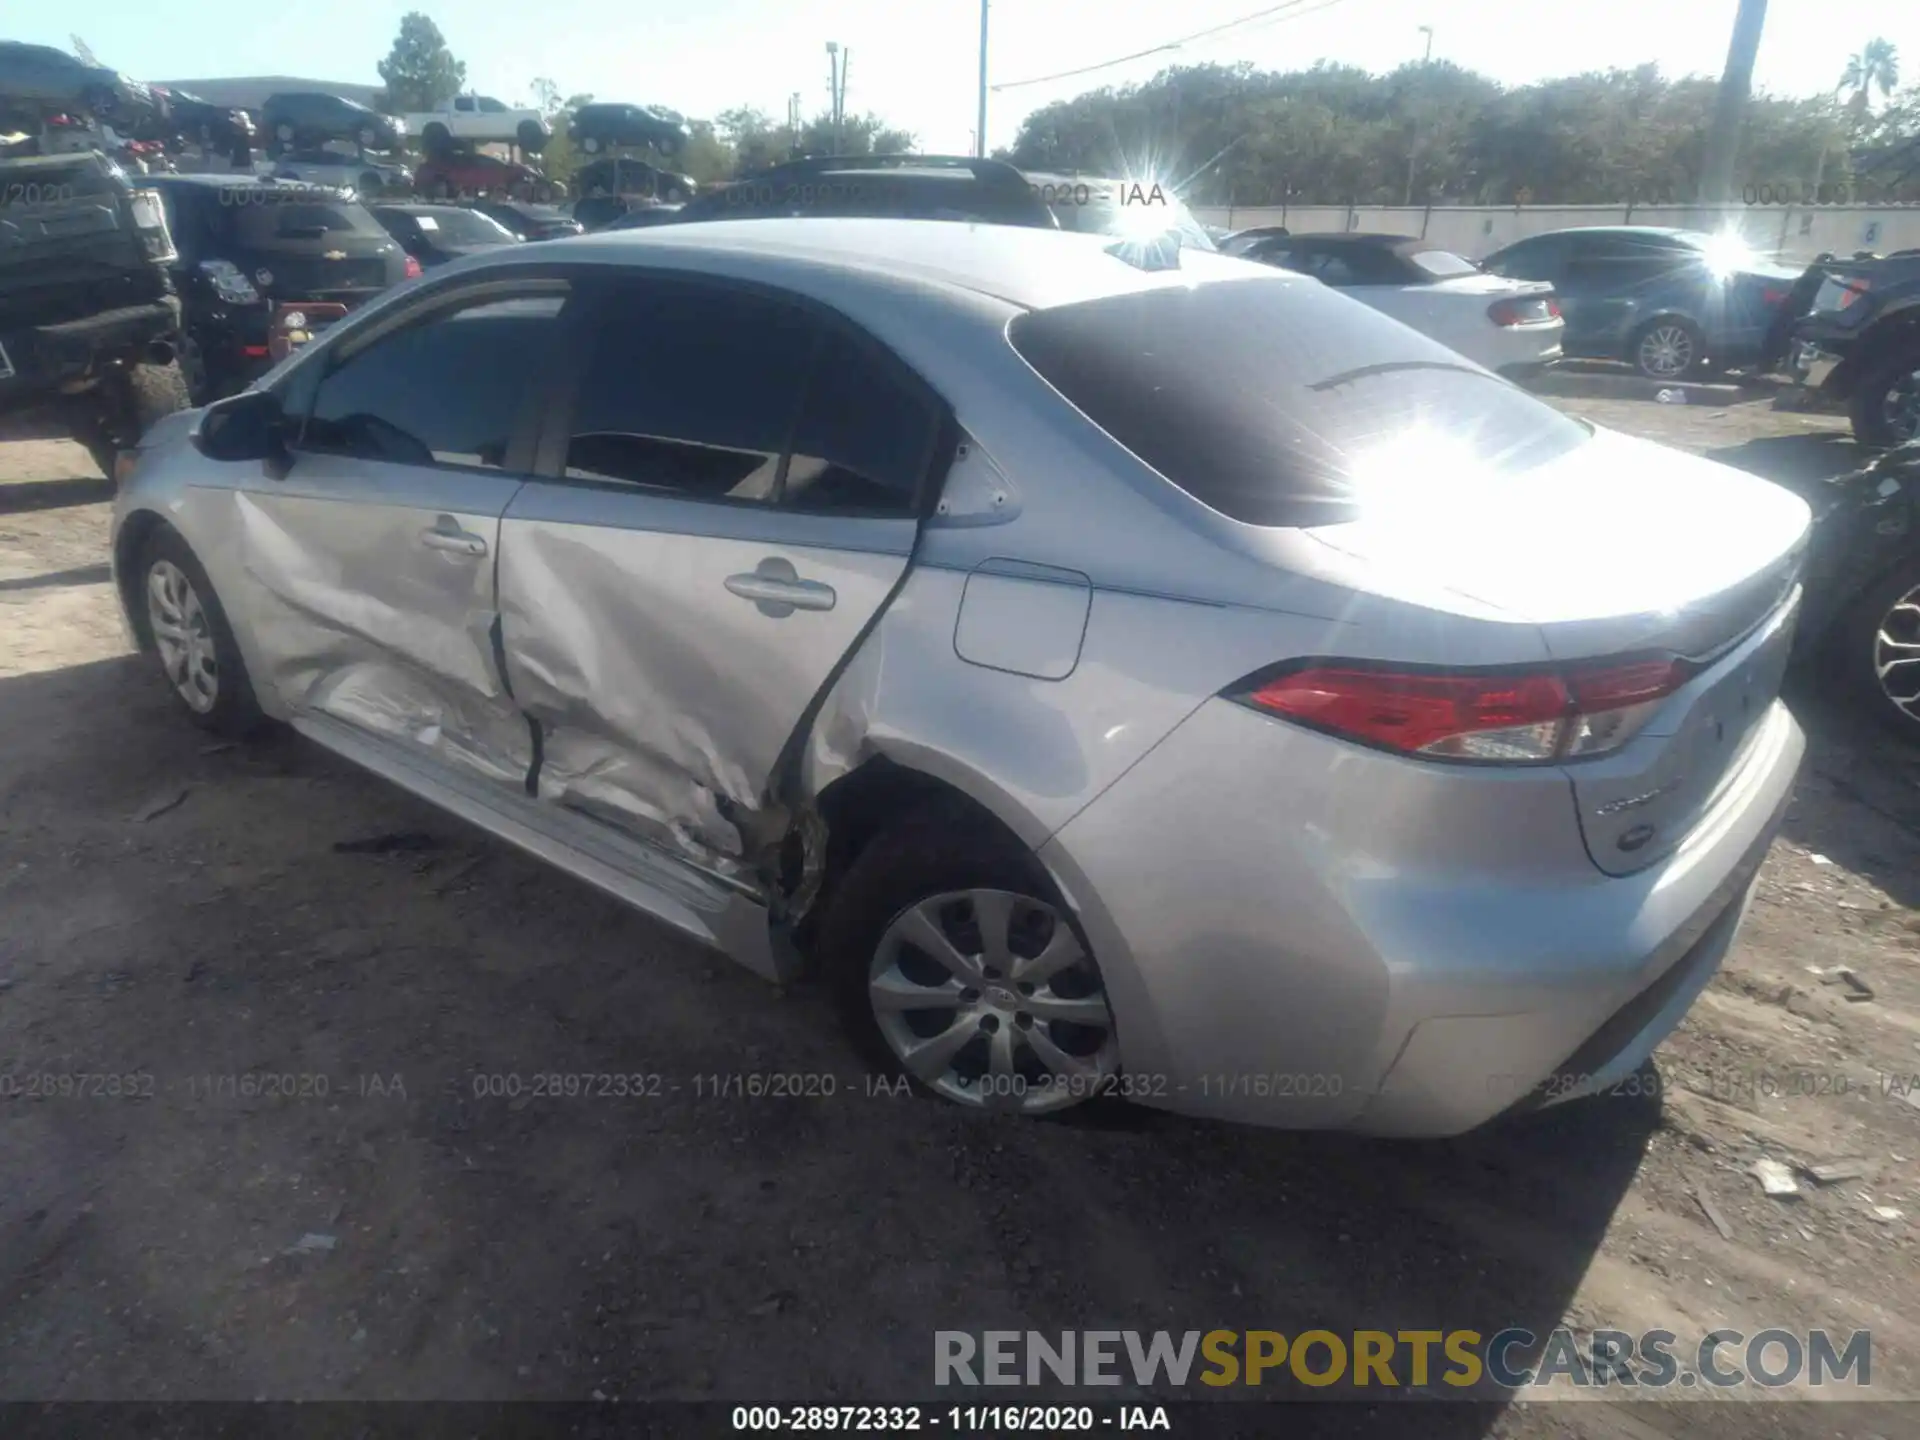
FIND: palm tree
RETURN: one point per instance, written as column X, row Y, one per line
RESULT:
column 1877, row 67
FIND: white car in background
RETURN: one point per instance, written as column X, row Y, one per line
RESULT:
column 1512, row 326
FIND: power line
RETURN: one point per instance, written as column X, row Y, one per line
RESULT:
column 1271, row 12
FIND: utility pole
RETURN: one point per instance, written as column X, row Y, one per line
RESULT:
column 793, row 123
column 840, row 99
column 1427, row 59
column 1730, row 108
column 980, row 127
column 1413, row 145
column 833, row 93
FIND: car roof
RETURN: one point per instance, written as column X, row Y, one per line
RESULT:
column 1670, row 231
column 1025, row 266
column 407, row 207
column 1378, row 240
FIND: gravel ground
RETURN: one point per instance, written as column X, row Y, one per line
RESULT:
column 180, row 911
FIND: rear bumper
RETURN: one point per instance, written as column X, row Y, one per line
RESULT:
column 48, row 357
column 1393, row 951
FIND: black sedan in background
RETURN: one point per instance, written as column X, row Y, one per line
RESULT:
column 435, row 234
column 608, row 125
column 528, row 221
column 1862, row 578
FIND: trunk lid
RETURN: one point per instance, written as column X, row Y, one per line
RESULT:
column 299, row 247
column 1618, row 549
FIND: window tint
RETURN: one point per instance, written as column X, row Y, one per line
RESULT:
column 1271, row 401
column 1528, row 260
column 1443, row 263
column 692, row 391
column 284, row 219
column 865, row 436
column 445, row 391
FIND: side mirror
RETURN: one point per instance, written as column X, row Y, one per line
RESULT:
column 247, row 426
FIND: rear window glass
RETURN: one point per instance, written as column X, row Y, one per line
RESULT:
column 1443, row 263
column 1276, row 402
column 261, row 219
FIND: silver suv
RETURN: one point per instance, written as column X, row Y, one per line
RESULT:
column 1145, row 675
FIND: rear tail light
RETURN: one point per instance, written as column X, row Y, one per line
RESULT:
column 1773, row 295
column 413, row 268
column 1511, row 717
column 1852, row 290
column 1524, row 310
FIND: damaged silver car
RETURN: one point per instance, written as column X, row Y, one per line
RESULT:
column 1114, row 671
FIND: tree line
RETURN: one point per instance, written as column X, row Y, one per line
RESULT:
column 1429, row 132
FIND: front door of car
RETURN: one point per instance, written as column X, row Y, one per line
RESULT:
column 371, row 563
column 733, row 497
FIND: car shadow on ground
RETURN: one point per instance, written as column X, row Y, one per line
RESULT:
column 1795, row 461
column 19, row 496
column 1852, row 758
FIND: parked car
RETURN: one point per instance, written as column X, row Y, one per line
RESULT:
column 1863, row 586
column 1512, row 326
column 632, row 179
column 528, row 221
column 478, row 118
column 89, row 323
column 246, row 245
column 200, row 122
column 363, row 174
column 1671, row 303
column 454, row 173
column 435, row 234
column 1858, row 346
column 306, row 120
column 598, row 212
column 943, row 607
column 920, row 187
column 36, row 79
column 606, row 125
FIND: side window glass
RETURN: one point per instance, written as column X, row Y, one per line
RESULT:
column 447, row 391
column 865, row 437
column 691, row 391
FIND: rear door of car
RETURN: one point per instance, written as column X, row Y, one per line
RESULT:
column 731, row 491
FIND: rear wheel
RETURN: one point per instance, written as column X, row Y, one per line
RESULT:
column 953, row 961
column 1670, row 348
column 1885, row 409
column 126, row 403
column 191, row 637
column 1880, row 650
column 591, row 144
column 532, row 138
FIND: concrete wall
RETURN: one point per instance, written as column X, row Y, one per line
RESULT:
column 1790, row 232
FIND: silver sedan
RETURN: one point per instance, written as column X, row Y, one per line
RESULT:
column 1114, row 670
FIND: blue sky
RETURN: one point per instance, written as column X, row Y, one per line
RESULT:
column 915, row 61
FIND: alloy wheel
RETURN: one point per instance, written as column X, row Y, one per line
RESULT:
column 1666, row 352
column 988, row 998
column 1896, row 654
column 1901, row 407
column 183, row 636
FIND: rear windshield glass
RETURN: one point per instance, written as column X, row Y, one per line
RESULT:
column 262, row 217
column 880, row 193
column 464, row 227
column 1443, row 263
column 1110, row 207
column 1278, row 402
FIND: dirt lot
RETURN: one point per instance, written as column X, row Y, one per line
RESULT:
column 182, row 911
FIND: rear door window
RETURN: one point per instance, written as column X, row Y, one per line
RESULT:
column 1280, row 403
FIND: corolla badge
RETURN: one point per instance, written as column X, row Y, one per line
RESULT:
column 1635, row 802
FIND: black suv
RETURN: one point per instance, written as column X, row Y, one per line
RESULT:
column 247, row 245
column 306, row 120
column 607, row 125
column 1859, row 344
column 88, row 316
column 922, row 187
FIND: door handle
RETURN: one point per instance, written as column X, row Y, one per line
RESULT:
column 447, row 535
column 779, row 591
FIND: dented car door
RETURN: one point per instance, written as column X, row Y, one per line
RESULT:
column 733, row 499
column 372, row 560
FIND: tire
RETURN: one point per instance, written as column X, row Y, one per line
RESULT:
column 368, row 139
column 674, row 195
column 117, row 412
column 230, row 707
column 939, row 853
column 668, row 145
column 436, row 139
column 1890, row 607
column 591, row 144
column 371, row 184
column 532, row 138
column 1875, row 408
column 1673, row 335
column 283, row 133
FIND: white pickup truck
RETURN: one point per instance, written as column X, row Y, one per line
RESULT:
column 481, row 119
